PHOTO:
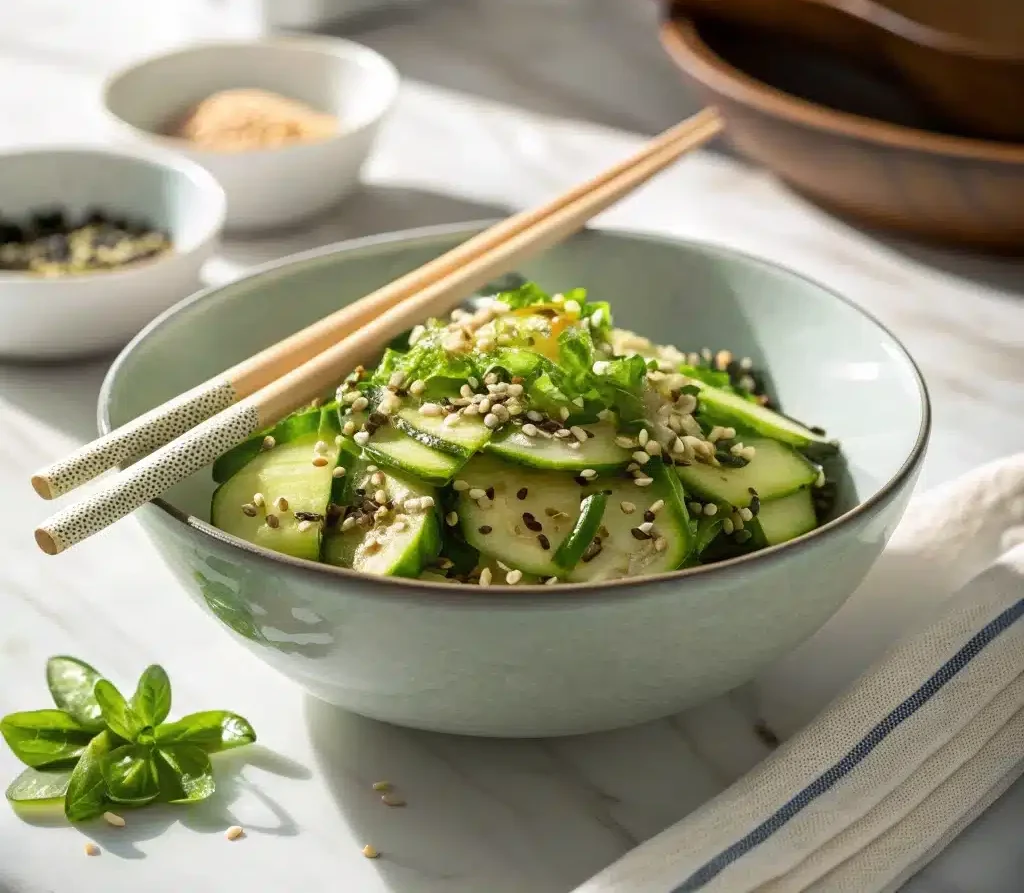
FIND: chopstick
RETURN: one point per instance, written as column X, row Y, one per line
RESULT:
column 173, row 418
column 292, row 388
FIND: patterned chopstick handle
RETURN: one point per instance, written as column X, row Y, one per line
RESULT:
column 149, row 477
column 141, row 435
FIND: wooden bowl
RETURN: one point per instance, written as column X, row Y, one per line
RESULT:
column 850, row 139
column 965, row 58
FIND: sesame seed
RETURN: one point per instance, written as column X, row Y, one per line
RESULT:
column 642, row 457
column 370, row 851
column 382, row 786
column 360, row 403
column 459, row 485
column 654, row 448
column 319, row 461
column 627, row 508
column 257, row 499
column 578, row 433
column 644, row 482
column 657, row 506
column 820, row 480
column 380, row 497
column 737, row 521
column 572, row 306
column 513, row 577
column 600, row 367
column 695, row 507
column 349, row 428
column 660, row 544
column 477, row 493
column 304, row 526
column 370, row 469
column 649, row 516
column 522, row 493
column 273, row 522
column 563, row 433
column 491, row 420
column 627, row 443
column 485, row 529
column 234, row 832
column 755, row 504
column 746, row 514
column 534, row 416
column 710, row 509
column 112, row 818
column 339, row 440
column 91, row 849
column 563, row 413
column 450, row 421
column 348, row 523
column 430, row 409
column 515, row 390
column 396, row 379
column 485, row 577
column 338, row 472
column 250, row 510
column 545, row 543
column 483, row 406
column 377, row 479
column 647, row 526
column 319, row 446
column 643, row 437
column 588, row 473
column 451, row 519
column 268, row 443
column 530, row 430
column 638, row 534
column 417, row 387
column 551, row 581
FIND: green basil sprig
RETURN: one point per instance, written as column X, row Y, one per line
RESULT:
column 99, row 750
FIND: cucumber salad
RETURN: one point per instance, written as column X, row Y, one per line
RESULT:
column 528, row 440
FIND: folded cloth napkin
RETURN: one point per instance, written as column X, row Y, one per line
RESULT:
column 889, row 772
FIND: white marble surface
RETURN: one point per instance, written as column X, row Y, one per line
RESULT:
column 483, row 815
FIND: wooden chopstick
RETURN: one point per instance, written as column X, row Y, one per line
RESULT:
column 173, row 418
column 200, row 445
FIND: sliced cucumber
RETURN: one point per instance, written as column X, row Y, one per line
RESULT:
column 299, row 424
column 725, row 408
column 599, row 452
column 466, row 437
column 286, row 471
column 775, row 471
column 396, row 449
column 533, row 511
column 399, row 545
column 787, row 518
column 581, row 537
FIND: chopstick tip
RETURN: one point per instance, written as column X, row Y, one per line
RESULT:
column 41, row 485
column 46, row 542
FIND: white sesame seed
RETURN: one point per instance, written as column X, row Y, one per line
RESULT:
column 360, row 403
column 597, row 316
column 451, row 420
column 678, row 447
column 820, row 480
column 459, row 485
column 338, row 440
column 112, row 818
column 472, row 409
column 491, row 420
column 600, row 367
column 710, row 509
column 737, row 520
column 551, row 581
column 348, row 523
column 563, row 433
column 627, row 508
column 483, row 406
column 319, row 446
column 695, row 507
column 257, row 499
column 530, row 429
column 426, row 502
column 513, row 577
column 534, row 416
column 361, row 437
column 657, row 506
column 371, row 852
column 728, row 433
column 578, row 433
column 268, row 443
column 642, row 457
column 430, row 409
column 348, row 429
column 473, row 381
column 380, row 497
column 564, row 413
column 466, row 391
column 377, row 479
column 351, row 397
column 643, row 437
column 572, row 306
column 451, row 519
column 396, row 379
column 654, row 448
column 319, row 461
column 606, row 415
column 91, row 849
column 588, row 473
column 748, row 453
column 627, row 443
column 515, row 390
column 660, row 544
column 646, row 527
column 746, row 514
column 477, row 493
column 644, row 482
column 485, row 577
column 234, row 832
column 304, row 526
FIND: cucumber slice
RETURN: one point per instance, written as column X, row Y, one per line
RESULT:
column 286, row 470
column 569, row 553
column 775, row 471
column 398, row 450
column 299, row 424
column 462, row 439
column 399, row 545
column 725, row 408
column 525, row 499
column 600, row 452
column 784, row 519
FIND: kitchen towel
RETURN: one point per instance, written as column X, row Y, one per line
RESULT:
column 882, row 778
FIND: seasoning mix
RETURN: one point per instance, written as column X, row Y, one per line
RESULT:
column 51, row 243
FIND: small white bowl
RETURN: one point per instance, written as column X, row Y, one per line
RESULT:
column 271, row 187
column 46, row 318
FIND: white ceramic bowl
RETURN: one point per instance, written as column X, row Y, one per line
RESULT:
column 72, row 316
column 275, row 187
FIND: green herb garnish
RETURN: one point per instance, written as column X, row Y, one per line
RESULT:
column 99, row 749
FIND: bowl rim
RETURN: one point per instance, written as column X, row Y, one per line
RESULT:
column 535, row 594
column 681, row 39
column 380, row 67
column 192, row 171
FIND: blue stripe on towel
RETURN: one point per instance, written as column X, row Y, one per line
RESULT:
column 876, row 736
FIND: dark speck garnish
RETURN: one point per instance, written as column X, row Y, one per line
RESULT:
column 729, row 460
column 649, row 515
column 531, row 522
column 638, row 534
column 755, row 505
column 490, row 492
column 522, row 493
column 485, row 529
column 545, row 543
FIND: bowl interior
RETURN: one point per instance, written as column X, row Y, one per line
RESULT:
column 179, row 198
column 830, row 364
column 334, row 76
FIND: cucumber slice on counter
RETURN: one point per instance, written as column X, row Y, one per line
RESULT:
column 534, row 511
column 722, row 407
column 599, row 452
column 286, row 471
column 396, row 449
column 775, row 471
column 784, row 519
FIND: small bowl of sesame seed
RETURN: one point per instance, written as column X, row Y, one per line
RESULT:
column 411, row 583
column 94, row 243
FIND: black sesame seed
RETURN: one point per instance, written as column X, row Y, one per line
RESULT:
column 638, row 534
column 522, row 493
column 752, row 491
column 378, row 418
column 308, row 516
column 755, row 505
column 814, row 429
column 531, row 522
column 729, row 460
column 370, row 428
column 360, row 491
column 485, row 529
column 545, row 543
column 649, row 515
column 490, row 492
column 582, row 481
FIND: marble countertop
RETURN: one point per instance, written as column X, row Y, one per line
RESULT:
column 496, row 816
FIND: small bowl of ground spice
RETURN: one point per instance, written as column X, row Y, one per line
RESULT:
column 94, row 243
column 284, row 124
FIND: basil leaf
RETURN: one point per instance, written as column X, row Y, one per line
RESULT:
column 44, row 737
column 152, row 699
column 185, row 773
column 36, row 785
column 71, row 685
column 130, row 775
column 117, row 714
column 85, row 796
column 211, row 730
